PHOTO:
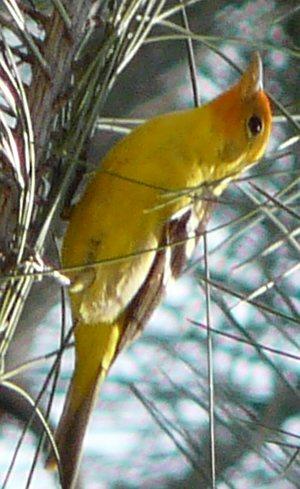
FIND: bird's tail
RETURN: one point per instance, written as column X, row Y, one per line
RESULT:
column 95, row 348
column 71, row 430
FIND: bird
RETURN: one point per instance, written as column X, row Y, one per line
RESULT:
column 136, row 225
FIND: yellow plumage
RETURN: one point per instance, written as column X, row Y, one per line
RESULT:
column 126, row 210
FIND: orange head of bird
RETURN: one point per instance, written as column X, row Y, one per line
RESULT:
column 242, row 119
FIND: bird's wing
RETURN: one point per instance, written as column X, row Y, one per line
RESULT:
column 179, row 238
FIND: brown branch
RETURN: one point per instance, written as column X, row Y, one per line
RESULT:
column 59, row 49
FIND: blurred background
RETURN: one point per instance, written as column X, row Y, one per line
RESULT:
column 151, row 427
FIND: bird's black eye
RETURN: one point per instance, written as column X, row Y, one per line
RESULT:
column 255, row 125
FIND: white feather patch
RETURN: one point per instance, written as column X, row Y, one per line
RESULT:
column 191, row 227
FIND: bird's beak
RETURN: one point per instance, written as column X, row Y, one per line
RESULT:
column 252, row 79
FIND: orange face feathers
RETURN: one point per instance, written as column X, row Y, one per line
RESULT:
column 242, row 116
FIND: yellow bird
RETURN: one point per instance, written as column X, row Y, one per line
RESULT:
column 152, row 191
